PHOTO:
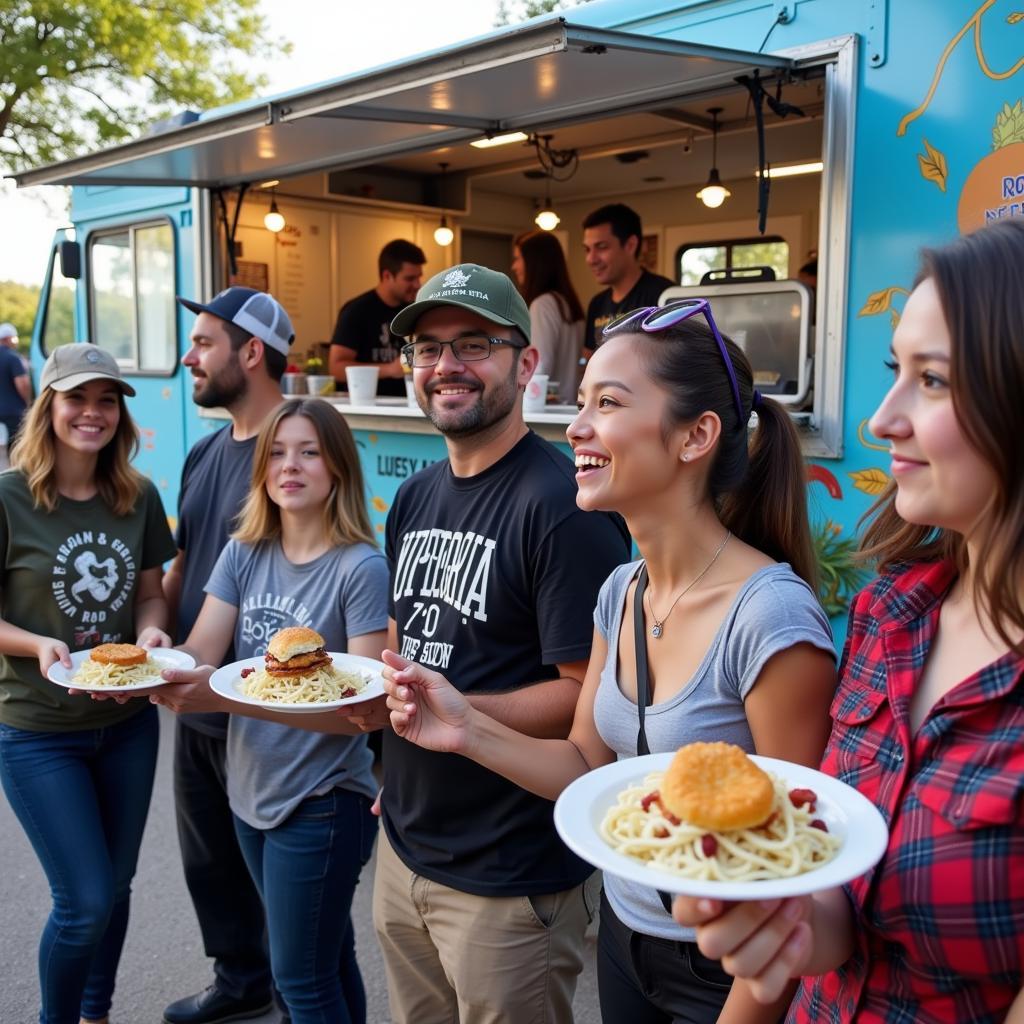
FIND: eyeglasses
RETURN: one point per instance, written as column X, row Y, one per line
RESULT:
column 652, row 319
column 470, row 348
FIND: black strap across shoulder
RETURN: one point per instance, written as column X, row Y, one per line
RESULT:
column 643, row 687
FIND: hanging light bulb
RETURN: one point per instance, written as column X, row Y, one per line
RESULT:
column 714, row 193
column 443, row 235
column 547, row 219
column 274, row 220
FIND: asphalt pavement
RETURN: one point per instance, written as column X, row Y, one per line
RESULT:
column 163, row 957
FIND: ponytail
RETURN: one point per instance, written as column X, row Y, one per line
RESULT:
column 758, row 484
column 768, row 510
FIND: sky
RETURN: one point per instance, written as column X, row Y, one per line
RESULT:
column 325, row 45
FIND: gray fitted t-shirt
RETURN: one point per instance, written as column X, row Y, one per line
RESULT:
column 272, row 768
column 773, row 610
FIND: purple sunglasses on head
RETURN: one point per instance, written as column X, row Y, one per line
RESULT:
column 651, row 319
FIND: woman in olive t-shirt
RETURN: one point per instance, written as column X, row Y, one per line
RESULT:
column 82, row 541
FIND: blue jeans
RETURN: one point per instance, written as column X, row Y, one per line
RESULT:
column 82, row 799
column 306, row 870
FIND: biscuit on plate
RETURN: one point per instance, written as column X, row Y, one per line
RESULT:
column 717, row 787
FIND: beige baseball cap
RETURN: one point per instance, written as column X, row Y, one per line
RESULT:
column 71, row 366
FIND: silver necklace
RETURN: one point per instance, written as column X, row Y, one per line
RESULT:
column 659, row 624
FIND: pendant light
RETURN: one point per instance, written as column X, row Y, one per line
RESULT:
column 443, row 235
column 547, row 219
column 714, row 193
column 274, row 219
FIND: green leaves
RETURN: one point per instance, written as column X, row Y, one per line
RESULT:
column 1009, row 127
column 83, row 74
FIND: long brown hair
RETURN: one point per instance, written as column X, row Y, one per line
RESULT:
column 346, row 520
column 546, row 271
column 978, row 281
column 35, row 454
column 758, row 485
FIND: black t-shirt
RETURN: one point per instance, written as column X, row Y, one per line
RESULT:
column 494, row 579
column 214, row 482
column 364, row 324
column 602, row 308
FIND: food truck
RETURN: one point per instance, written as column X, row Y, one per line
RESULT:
column 847, row 131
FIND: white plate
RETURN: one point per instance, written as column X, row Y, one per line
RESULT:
column 227, row 681
column 165, row 657
column 848, row 814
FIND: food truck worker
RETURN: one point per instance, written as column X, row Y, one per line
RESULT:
column 362, row 335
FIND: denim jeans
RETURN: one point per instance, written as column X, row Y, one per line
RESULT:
column 226, row 902
column 82, row 799
column 306, row 870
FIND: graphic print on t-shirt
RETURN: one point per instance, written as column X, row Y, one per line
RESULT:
column 440, row 567
column 265, row 614
column 93, row 576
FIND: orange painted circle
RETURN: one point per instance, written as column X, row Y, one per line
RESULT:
column 994, row 189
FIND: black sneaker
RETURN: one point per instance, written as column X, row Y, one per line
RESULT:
column 211, row 1006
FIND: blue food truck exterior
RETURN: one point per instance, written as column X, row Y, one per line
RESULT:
column 915, row 110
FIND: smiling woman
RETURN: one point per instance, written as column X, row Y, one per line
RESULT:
column 85, row 537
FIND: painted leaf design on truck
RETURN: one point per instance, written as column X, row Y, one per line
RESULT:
column 870, row 481
column 933, row 165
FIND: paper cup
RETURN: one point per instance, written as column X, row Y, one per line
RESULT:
column 410, row 392
column 362, row 384
column 536, row 393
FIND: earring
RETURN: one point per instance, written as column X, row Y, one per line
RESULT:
column 686, row 458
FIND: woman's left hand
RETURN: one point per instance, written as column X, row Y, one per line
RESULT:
column 152, row 637
column 425, row 708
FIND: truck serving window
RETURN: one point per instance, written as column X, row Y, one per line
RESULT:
column 696, row 259
column 131, row 296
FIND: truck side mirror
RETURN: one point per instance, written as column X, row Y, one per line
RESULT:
column 71, row 260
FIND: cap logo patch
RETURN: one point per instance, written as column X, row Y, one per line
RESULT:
column 91, row 357
column 455, row 279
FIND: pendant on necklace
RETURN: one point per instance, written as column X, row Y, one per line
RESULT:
column 656, row 631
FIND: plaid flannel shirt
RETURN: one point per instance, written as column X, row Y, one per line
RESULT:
column 940, row 920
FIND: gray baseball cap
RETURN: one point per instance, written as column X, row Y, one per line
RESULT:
column 8, row 330
column 468, row 286
column 71, row 366
column 257, row 312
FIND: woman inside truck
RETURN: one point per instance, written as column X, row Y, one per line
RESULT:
column 727, row 641
column 556, row 315
column 84, row 538
column 928, row 722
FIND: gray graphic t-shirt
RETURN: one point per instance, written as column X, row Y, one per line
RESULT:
column 272, row 768
column 772, row 611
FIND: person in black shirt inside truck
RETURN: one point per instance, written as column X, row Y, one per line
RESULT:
column 362, row 335
column 479, row 908
column 612, row 237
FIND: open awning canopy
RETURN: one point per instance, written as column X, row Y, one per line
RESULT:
column 538, row 76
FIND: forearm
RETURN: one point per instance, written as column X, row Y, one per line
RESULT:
column 544, row 710
column 172, row 594
column 542, row 766
column 151, row 612
column 742, row 1008
column 18, row 642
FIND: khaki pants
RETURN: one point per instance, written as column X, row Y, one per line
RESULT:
column 455, row 958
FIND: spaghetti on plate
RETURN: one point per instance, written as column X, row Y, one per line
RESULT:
column 790, row 842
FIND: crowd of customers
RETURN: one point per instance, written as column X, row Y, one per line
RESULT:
column 537, row 620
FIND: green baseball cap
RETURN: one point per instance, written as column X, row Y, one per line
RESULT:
column 488, row 293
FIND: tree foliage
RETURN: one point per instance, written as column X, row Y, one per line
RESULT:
column 512, row 12
column 77, row 75
column 18, row 304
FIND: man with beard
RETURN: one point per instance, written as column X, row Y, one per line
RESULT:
column 480, row 909
column 238, row 354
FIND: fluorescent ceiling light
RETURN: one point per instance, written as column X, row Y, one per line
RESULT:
column 500, row 140
column 814, row 167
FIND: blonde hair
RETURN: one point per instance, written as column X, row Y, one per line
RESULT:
column 35, row 454
column 345, row 517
